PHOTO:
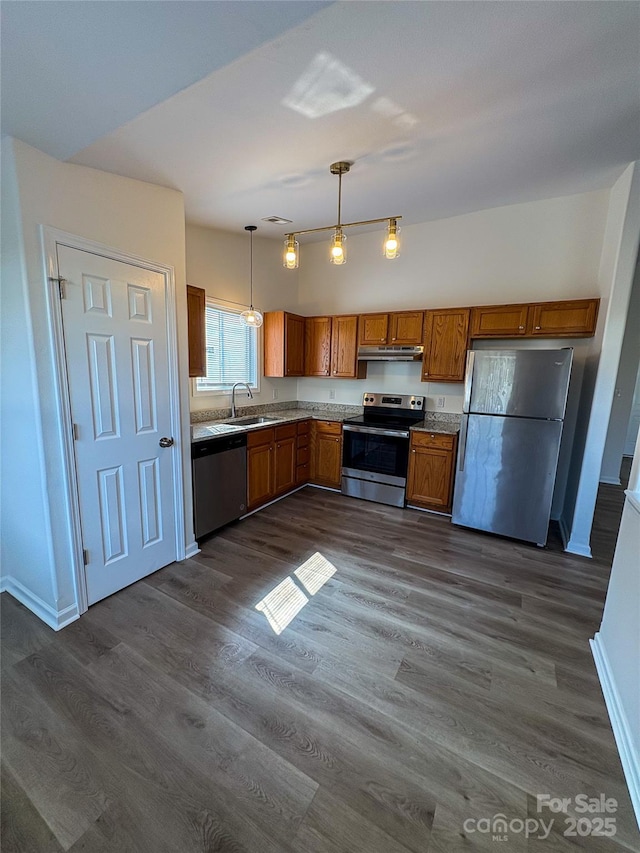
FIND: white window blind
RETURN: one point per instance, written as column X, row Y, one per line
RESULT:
column 231, row 350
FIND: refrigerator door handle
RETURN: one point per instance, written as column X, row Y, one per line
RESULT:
column 464, row 426
column 468, row 377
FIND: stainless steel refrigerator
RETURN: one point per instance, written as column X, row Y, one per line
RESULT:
column 514, row 406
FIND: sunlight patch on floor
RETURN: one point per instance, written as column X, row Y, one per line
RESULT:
column 287, row 599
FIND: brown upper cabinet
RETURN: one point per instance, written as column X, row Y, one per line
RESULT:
column 401, row 328
column 317, row 357
column 499, row 321
column 446, row 337
column 196, row 306
column 374, row 329
column 405, row 328
column 283, row 344
column 577, row 317
column 344, row 348
column 566, row 319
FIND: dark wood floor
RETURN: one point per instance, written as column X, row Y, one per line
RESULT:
column 439, row 676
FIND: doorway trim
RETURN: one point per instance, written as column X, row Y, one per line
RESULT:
column 51, row 238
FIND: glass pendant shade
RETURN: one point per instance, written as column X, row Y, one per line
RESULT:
column 338, row 248
column 391, row 245
column 252, row 317
column 291, row 253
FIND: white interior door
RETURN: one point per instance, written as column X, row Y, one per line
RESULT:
column 115, row 333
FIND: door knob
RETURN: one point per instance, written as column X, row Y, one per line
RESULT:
column 165, row 442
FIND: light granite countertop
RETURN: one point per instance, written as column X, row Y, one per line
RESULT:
column 440, row 422
column 216, row 427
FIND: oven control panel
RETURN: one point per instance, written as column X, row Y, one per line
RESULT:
column 408, row 402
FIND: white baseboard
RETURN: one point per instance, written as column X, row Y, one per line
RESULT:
column 611, row 481
column 275, row 501
column 578, row 548
column 55, row 619
column 627, row 748
column 191, row 550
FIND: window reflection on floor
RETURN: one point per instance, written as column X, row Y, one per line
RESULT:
column 315, row 572
column 287, row 599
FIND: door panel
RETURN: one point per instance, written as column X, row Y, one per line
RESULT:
column 506, row 474
column 115, row 334
column 523, row 383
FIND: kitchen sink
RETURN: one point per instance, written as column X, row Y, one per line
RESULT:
column 250, row 421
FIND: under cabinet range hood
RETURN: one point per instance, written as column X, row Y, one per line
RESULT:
column 392, row 353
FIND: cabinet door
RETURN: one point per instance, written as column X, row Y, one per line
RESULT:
column 260, row 474
column 196, row 307
column 326, row 454
column 285, row 465
column 499, row 321
column 317, row 361
column 446, row 335
column 430, row 477
column 374, row 329
column 405, row 328
column 283, row 335
column 344, row 348
column 575, row 318
column 294, row 345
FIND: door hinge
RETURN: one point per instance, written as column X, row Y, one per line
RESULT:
column 61, row 283
column 85, row 556
column 76, row 432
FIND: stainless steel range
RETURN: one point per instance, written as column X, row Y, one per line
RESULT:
column 375, row 452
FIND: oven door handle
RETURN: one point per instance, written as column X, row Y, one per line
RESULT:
column 376, row 431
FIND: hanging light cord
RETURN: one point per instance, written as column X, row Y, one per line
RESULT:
column 339, row 196
column 251, row 268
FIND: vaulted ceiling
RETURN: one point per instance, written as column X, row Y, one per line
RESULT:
column 444, row 107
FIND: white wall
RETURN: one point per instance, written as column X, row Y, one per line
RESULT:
column 634, row 420
column 537, row 251
column 219, row 262
column 619, row 255
column 624, row 390
column 616, row 646
column 129, row 215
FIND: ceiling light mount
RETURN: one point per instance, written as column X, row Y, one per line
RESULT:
column 338, row 250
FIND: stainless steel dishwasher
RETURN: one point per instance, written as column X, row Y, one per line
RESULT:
column 219, row 481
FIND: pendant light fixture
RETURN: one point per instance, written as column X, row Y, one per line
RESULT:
column 338, row 252
column 251, row 317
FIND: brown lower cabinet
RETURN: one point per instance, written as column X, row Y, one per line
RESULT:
column 303, row 452
column 326, row 453
column 431, row 467
column 271, row 463
column 277, row 461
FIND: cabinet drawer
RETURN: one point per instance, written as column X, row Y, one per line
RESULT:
column 303, row 455
column 329, row 427
column 432, row 439
column 260, row 436
column 303, row 440
column 285, row 431
column 304, row 427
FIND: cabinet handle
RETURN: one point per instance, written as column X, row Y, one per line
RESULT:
column 426, row 373
column 337, row 439
column 393, row 339
column 522, row 327
column 413, row 451
column 537, row 327
column 382, row 339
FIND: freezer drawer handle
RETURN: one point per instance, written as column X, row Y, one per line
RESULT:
column 463, row 443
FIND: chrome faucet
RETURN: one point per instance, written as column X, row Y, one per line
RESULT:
column 233, row 396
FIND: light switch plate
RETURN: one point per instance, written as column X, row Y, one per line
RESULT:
column 440, row 402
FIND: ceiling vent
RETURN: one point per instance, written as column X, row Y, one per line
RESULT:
column 277, row 220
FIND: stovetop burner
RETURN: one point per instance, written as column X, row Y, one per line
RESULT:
column 390, row 411
column 386, row 422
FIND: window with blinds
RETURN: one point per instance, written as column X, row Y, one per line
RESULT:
column 231, row 351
